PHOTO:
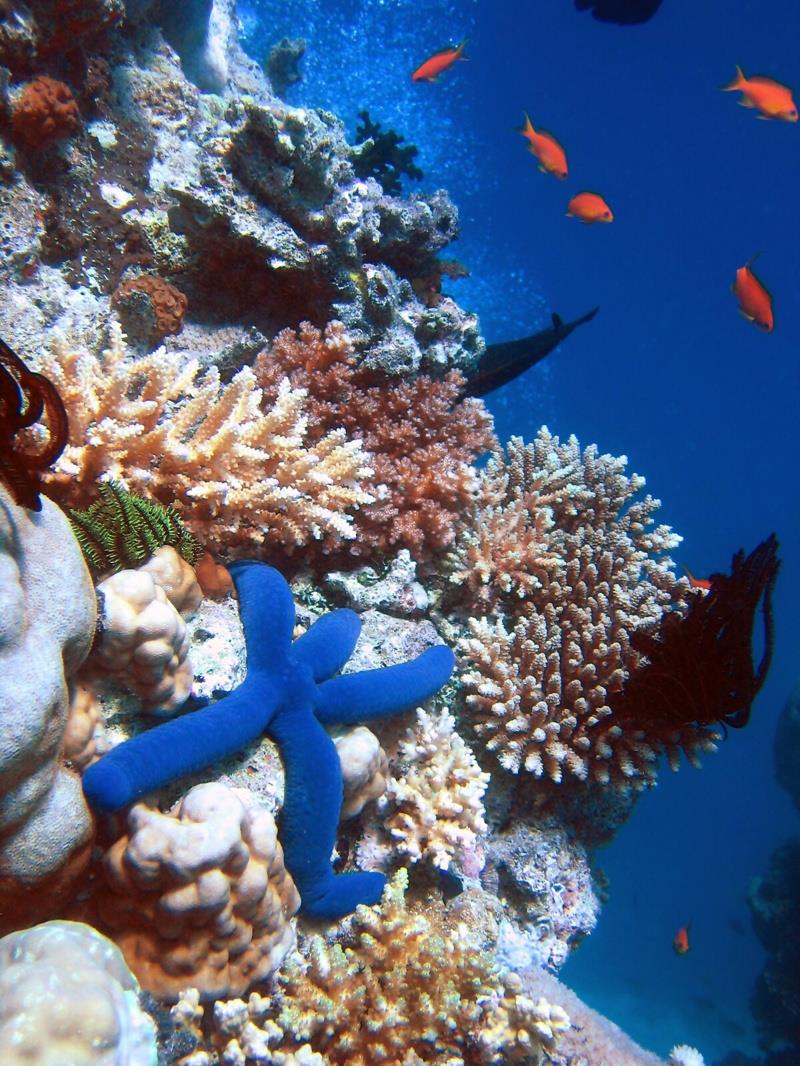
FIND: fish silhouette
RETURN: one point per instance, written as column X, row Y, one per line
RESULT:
column 501, row 363
column 623, row 12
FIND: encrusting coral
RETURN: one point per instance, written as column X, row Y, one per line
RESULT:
column 432, row 808
column 44, row 110
column 289, row 695
column 421, row 437
column 66, row 995
column 237, row 475
column 199, row 895
column 585, row 575
column 149, row 306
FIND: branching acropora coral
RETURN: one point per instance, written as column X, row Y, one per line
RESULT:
column 236, row 474
column 421, row 437
column 402, row 988
column 590, row 571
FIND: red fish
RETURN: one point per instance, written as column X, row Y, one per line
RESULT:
column 680, row 942
column 697, row 582
column 769, row 97
column 552, row 157
column 755, row 303
column 439, row 62
column 589, row 207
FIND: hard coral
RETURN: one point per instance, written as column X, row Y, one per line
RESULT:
column 237, row 475
column 44, row 111
column 379, row 155
column 66, row 995
column 560, row 541
column 199, row 895
column 150, row 307
column 403, row 987
column 421, row 437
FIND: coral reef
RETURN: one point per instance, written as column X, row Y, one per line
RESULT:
column 237, row 475
column 379, row 155
column 44, row 111
column 289, row 695
column 365, row 769
column 684, row 1055
column 402, row 987
column 199, row 895
column 282, row 65
column 120, row 530
column 47, row 623
column 432, row 808
column 570, row 555
column 774, row 901
column 66, row 995
column 421, row 437
column 149, row 308
column 24, row 398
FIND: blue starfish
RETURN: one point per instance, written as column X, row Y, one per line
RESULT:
column 287, row 696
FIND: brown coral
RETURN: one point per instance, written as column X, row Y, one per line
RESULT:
column 541, row 689
column 199, row 895
column 150, row 306
column 421, row 437
column 44, row 111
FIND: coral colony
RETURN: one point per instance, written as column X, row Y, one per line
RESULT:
column 238, row 455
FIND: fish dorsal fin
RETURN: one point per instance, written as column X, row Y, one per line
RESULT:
column 558, row 321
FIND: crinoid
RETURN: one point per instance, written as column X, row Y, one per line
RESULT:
column 25, row 397
column 700, row 669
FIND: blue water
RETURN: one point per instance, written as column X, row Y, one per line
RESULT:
column 703, row 403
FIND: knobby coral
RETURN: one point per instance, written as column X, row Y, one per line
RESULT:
column 151, row 305
column 421, row 437
column 560, row 541
column 44, row 111
column 407, row 986
column 289, row 695
column 236, row 474
column 26, row 397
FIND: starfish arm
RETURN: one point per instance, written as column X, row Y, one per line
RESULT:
column 309, row 818
column 180, row 747
column 266, row 608
column 379, row 693
column 328, row 644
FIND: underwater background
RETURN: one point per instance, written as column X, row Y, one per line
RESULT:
column 702, row 402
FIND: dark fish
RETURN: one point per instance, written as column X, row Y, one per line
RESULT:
column 623, row 12
column 501, row 363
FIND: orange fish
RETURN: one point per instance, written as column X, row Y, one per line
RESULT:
column 680, row 942
column 771, row 98
column 589, row 207
column 697, row 582
column 439, row 62
column 755, row 302
column 552, row 157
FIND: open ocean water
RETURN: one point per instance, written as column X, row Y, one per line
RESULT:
column 703, row 403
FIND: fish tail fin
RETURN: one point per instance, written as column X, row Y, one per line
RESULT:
column 737, row 82
column 526, row 127
column 460, row 50
column 558, row 321
column 753, row 258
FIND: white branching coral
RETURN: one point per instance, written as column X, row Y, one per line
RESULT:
column 685, row 1055
column 542, row 680
column 433, row 809
column 237, row 474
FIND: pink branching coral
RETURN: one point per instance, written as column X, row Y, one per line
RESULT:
column 588, row 572
column 421, row 437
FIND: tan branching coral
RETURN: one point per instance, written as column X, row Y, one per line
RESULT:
column 541, row 687
column 404, row 988
column 238, row 475
column 199, row 895
column 421, row 436
column 433, row 810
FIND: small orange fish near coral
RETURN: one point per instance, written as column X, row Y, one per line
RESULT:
column 697, row 582
column 769, row 97
column 589, row 207
column 680, row 942
column 755, row 303
column 439, row 62
column 552, row 157
column 213, row 578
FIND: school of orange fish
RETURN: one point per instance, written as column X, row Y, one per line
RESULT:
column 770, row 98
